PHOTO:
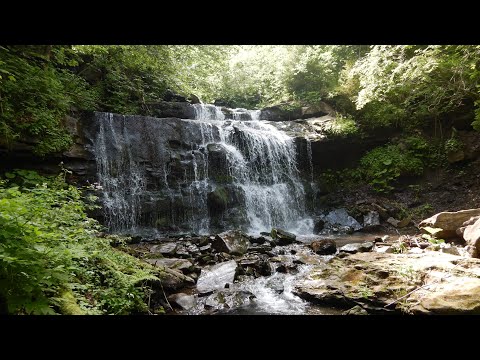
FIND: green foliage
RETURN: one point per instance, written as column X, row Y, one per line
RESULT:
column 331, row 180
column 383, row 165
column 342, row 126
column 432, row 239
column 51, row 256
column 453, row 145
column 378, row 114
column 37, row 93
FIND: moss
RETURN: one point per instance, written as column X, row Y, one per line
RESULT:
column 68, row 304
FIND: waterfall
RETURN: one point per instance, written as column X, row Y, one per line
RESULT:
column 121, row 188
column 161, row 173
column 261, row 161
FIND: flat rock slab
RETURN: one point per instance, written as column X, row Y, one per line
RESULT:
column 357, row 247
column 375, row 280
column 216, row 276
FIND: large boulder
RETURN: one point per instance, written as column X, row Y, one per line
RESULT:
column 215, row 277
column 232, row 242
column 340, row 218
column 449, row 222
column 472, row 237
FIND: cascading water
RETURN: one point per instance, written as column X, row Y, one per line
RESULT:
column 160, row 173
column 262, row 162
column 121, row 189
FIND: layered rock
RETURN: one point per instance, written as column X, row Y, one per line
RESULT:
column 426, row 283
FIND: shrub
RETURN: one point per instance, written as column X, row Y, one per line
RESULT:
column 51, row 258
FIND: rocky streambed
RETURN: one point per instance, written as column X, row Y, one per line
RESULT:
column 279, row 273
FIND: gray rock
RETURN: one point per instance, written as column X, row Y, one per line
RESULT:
column 340, row 217
column 215, row 277
column 164, row 249
column 358, row 247
column 371, row 220
column 319, row 225
column 177, row 264
column 232, row 242
column 186, row 302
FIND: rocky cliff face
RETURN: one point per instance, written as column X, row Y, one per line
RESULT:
column 173, row 173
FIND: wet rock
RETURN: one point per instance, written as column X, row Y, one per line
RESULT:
column 178, row 264
column 356, row 310
column 257, row 265
column 449, row 222
column 257, row 240
column 168, row 248
column 371, row 220
column 358, row 247
column 283, row 237
column 324, row 247
column 228, row 300
column 276, row 284
column 205, row 248
column 263, row 249
column 319, row 226
column 215, row 277
column 232, row 242
column 281, row 268
column 340, row 218
column 184, row 301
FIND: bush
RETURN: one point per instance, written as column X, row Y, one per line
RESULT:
column 52, row 260
column 384, row 165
